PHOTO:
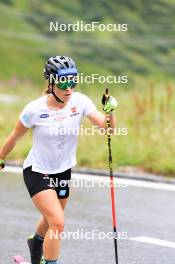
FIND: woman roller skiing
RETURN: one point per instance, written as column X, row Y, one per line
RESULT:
column 52, row 154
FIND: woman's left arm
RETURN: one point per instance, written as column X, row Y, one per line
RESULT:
column 99, row 119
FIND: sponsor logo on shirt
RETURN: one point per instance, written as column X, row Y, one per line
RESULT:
column 44, row 116
column 25, row 117
column 58, row 118
column 74, row 111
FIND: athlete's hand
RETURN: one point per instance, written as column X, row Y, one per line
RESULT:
column 2, row 164
column 110, row 104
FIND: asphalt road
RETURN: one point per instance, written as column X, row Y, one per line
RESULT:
column 145, row 223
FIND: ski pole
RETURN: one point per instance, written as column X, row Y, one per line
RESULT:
column 112, row 189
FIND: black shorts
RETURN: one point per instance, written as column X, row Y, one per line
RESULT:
column 37, row 182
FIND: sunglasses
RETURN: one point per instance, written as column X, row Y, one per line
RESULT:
column 65, row 85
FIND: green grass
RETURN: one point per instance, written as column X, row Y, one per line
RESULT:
column 145, row 53
column 145, row 50
column 147, row 113
column 150, row 144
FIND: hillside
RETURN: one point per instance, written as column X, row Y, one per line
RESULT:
column 145, row 53
column 146, row 50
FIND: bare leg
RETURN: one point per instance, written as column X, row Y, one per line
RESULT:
column 42, row 225
column 63, row 202
column 50, row 207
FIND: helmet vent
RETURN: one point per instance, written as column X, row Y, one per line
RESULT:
column 67, row 64
column 55, row 60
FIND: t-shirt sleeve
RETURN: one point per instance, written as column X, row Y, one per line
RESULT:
column 88, row 105
column 26, row 116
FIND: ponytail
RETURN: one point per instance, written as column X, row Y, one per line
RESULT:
column 48, row 90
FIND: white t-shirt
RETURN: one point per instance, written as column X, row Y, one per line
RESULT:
column 55, row 134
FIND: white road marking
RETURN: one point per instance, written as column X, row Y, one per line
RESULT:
column 117, row 181
column 127, row 182
column 12, row 169
column 153, row 241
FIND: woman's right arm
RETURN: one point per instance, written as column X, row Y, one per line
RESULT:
column 12, row 139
